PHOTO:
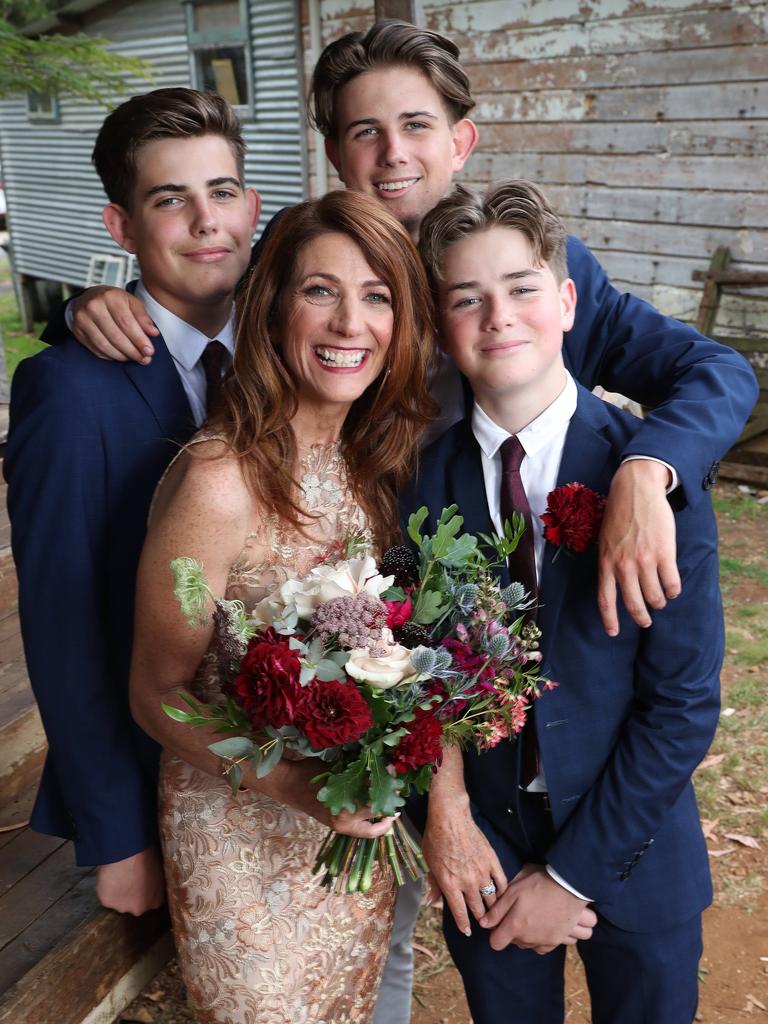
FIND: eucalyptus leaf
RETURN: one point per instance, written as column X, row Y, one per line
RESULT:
column 270, row 759
column 233, row 748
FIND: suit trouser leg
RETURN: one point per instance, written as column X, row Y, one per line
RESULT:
column 393, row 1005
column 643, row 977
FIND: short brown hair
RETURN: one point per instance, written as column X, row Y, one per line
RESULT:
column 388, row 43
column 380, row 436
column 160, row 114
column 515, row 204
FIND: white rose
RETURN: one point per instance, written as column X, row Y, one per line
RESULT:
column 389, row 670
column 351, row 577
column 273, row 606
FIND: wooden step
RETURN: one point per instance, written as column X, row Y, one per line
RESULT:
column 63, row 958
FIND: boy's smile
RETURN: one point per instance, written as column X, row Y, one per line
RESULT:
column 502, row 320
column 190, row 224
column 395, row 142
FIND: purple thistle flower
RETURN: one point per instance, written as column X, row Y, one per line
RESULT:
column 351, row 622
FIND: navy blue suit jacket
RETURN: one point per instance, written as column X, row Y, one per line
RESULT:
column 88, row 442
column 633, row 715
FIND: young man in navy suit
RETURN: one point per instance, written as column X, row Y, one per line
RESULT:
column 606, row 816
column 89, row 440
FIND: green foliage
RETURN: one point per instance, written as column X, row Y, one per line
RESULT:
column 345, row 790
column 191, row 590
column 79, row 65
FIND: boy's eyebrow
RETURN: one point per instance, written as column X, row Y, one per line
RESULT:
column 514, row 275
column 405, row 116
column 169, row 186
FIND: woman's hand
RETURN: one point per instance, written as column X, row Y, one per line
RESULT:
column 461, row 861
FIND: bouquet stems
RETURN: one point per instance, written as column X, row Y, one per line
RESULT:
column 346, row 863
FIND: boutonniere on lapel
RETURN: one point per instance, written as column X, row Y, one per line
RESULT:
column 573, row 516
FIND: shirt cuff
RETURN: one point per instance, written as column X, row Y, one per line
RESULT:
column 69, row 316
column 561, row 881
column 649, row 458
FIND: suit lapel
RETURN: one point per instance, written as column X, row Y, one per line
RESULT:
column 467, row 488
column 160, row 386
column 588, row 458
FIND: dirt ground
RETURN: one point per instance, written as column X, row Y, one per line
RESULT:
column 732, row 786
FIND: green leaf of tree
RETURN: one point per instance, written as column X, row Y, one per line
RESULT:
column 345, row 790
column 384, row 789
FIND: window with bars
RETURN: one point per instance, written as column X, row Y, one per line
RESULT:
column 217, row 31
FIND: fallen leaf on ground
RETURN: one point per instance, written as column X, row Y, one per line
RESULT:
column 721, row 853
column 749, row 841
column 423, row 949
column 708, row 827
column 712, row 760
column 756, row 1002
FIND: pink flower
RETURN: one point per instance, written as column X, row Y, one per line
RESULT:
column 399, row 612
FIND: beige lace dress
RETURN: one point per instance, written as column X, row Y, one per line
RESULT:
column 259, row 940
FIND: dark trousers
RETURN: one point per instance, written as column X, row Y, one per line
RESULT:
column 633, row 977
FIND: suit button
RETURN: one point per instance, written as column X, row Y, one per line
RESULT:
column 624, row 875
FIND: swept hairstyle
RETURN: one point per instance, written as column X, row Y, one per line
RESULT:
column 515, row 204
column 159, row 114
column 380, row 436
column 388, row 43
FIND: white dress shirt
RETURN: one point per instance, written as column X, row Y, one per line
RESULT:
column 543, row 440
column 186, row 345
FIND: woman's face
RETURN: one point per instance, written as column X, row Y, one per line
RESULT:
column 337, row 322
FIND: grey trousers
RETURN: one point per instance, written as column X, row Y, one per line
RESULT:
column 393, row 1005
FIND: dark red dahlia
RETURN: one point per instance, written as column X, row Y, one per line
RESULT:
column 573, row 516
column 332, row 713
column 420, row 745
column 267, row 687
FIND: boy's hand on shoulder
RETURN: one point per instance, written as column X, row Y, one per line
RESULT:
column 637, row 544
column 535, row 912
column 133, row 885
column 113, row 324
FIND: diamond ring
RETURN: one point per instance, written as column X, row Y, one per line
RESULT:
column 488, row 890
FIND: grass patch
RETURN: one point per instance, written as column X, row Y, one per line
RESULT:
column 734, row 567
column 741, row 892
column 734, row 506
column 18, row 344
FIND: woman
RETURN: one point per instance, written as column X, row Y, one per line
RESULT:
column 318, row 431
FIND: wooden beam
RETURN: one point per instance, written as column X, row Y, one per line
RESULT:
column 746, row 278
column 402, row 10
column 710, row 299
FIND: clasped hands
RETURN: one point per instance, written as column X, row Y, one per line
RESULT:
column 532, row 911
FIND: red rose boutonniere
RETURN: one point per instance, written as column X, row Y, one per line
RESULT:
column 573, row 516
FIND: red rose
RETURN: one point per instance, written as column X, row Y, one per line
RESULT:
column 573, row 516
column 399, row 612
column 421, row 744
column 267, row 687
column 332, row 713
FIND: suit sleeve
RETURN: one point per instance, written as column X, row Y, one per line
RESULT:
column 668, row 731
column 56, row 331
column 700, row 392
column 57, row 476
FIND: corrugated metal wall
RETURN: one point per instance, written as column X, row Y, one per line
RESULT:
column 54, row 196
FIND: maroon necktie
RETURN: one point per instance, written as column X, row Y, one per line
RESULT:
column 213, row 364
column 522, row 568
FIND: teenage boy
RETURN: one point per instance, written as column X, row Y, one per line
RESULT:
column 89, row 440
column 392, row 105
column 594, row 803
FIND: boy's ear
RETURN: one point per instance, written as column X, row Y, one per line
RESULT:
column 119, row 224
column 254, row 206
column 464, row 141
column 332, row 152
column 568, row 303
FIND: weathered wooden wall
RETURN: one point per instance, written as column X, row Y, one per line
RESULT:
column 647, row 123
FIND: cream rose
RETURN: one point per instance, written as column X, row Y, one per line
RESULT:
column 388, row 670
column 348, row 578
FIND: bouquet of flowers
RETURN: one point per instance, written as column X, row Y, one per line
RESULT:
column 371, row 669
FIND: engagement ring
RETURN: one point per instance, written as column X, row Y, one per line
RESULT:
column 488, row 890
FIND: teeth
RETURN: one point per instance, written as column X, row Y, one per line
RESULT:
column 337, row 357
column 395, row 186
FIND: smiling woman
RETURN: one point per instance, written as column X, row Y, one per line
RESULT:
column 317, row 432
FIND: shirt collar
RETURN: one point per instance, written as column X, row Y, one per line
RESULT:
column 537, row 434
column 185, row 343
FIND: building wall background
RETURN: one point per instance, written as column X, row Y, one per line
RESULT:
column 646, row 122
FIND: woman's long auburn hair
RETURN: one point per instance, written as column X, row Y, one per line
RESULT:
column 381, row 433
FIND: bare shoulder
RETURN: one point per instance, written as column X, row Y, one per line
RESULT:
column 203, row 490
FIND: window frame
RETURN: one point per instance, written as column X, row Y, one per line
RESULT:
column 53, row 116
column 200, row 42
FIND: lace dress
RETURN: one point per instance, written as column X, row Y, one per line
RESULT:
column 259, row 940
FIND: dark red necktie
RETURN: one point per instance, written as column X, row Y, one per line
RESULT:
column 213, row 364
column 522, row 568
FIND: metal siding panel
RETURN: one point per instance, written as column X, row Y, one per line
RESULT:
column 54, row 197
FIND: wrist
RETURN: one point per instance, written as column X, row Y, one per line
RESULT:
column 647, row 471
